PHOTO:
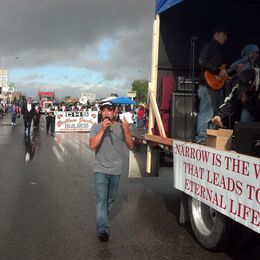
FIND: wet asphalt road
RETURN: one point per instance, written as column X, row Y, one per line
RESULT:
column 47, row 206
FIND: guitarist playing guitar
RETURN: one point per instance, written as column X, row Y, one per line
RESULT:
column 211, row 60
column 216, row 81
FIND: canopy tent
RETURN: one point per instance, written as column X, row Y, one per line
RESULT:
column 108, row 99
column 162, row 5
column 123, row 100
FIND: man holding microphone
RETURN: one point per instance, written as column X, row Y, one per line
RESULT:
column 107, row 138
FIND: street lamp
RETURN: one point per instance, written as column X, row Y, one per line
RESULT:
column 2, row 68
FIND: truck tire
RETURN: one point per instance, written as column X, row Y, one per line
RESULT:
column 210, row 227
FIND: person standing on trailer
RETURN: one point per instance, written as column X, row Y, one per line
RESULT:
column 211, row 60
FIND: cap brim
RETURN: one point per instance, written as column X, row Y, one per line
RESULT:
column 221, row 29
column 107, row 106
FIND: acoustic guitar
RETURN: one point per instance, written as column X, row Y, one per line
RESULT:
column 215, row 82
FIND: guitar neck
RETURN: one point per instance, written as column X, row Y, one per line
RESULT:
column 236, row 63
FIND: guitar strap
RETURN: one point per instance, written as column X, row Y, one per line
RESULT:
column 257, row 78
column 240, row 61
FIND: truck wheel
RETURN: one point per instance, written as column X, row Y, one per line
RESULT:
column 209, row 226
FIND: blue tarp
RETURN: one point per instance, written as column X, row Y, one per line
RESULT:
column 123, row 100
column 162, row 5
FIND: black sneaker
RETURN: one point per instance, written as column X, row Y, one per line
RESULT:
column 202, row 142
column 103, row 236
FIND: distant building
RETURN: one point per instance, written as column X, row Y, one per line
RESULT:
column 91, row 97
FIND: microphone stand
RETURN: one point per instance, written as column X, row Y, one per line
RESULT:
column 193, row 40
column 193, row 112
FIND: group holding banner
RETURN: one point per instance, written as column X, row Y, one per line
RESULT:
column 78, row 121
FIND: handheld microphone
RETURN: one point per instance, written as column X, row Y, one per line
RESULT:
column 107, row 117
column 109, row 129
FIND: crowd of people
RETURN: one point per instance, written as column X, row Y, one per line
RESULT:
column 31, row 113
column 3, row 108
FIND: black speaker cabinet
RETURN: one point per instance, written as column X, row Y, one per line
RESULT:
column 247, row 138
column 184, row 116
column 187, row 84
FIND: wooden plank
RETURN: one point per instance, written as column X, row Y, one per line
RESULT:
column 157, row 115
column 153, row 80
column 159, row 139
column 154, row 68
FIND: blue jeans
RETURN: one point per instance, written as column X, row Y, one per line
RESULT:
column 210, row 101
column 106, row 187
column 14, row 118
column 246, row 116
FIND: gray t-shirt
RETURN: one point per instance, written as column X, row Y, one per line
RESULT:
column 109, row 154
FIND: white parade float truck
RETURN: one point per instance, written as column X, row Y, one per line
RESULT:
column 220, row 186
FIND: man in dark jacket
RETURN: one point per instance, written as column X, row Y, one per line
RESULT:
column 210, row 59
column 28, row 112
column 50, row 120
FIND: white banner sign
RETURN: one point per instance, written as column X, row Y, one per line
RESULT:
column 75, row 121
column 226, row 181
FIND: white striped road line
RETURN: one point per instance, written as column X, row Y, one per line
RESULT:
column 60, row 145
column 62, row 148
column 58, row 155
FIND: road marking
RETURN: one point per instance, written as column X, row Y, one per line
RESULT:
column 59, row 157
column 62, row 148
column 58, row 142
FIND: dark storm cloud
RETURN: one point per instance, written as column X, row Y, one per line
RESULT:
column 57, row 31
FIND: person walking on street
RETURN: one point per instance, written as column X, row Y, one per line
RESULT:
column 28, row 111
column 108, row 138
column 50, row 120
column 37, row 117
column 140, row 116
column 14, row 109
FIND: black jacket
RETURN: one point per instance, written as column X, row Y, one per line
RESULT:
column 233, row 105
column 211, row 57
column 28, row 115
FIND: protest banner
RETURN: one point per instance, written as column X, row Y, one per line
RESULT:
column 77, row 121
column 226, row 181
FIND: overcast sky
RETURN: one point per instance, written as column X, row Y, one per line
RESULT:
column 77, row 46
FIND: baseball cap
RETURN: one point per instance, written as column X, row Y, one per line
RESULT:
column 107, row 105
column 221, row 29
column 249, row 49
